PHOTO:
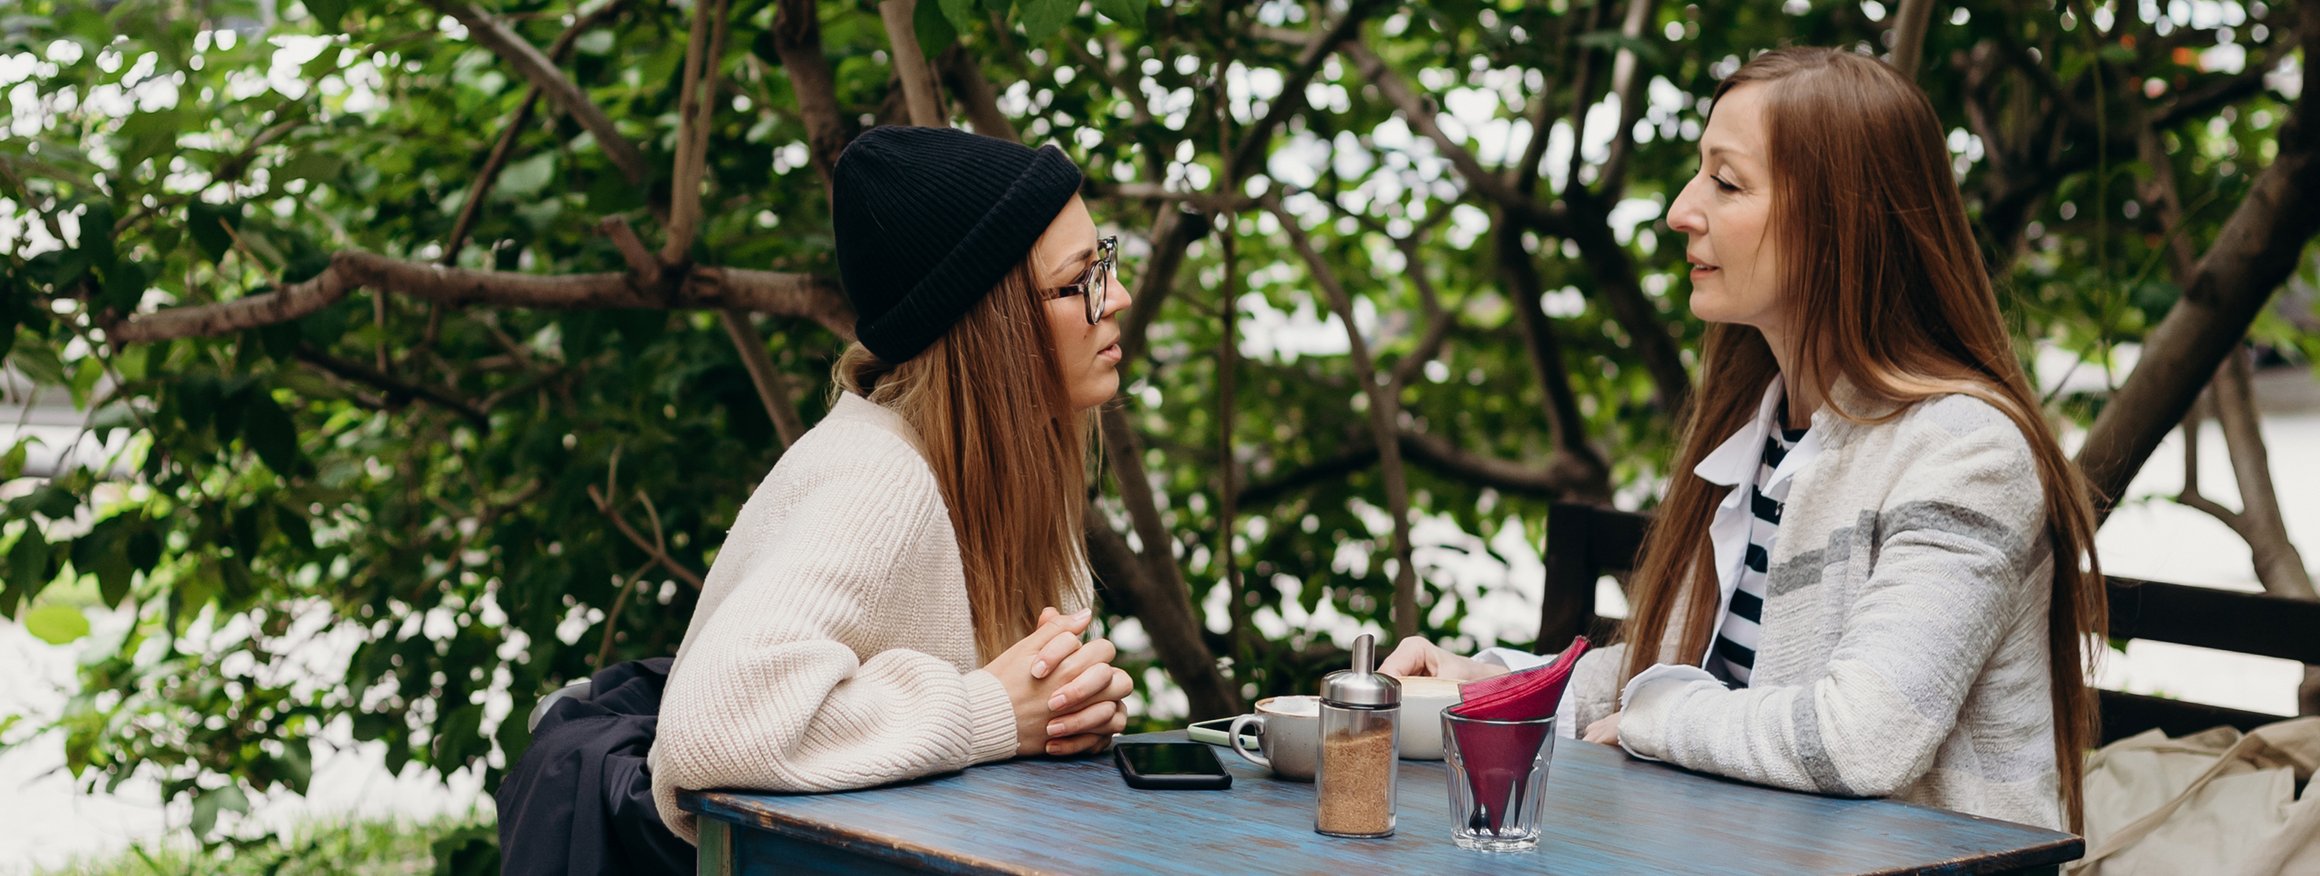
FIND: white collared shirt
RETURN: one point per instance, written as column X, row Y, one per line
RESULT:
column 1732, row 465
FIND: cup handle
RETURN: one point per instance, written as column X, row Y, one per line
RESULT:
column 1233, row 737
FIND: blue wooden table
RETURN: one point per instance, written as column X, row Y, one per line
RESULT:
column 1605, row 813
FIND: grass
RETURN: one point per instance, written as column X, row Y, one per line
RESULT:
column 352, row 848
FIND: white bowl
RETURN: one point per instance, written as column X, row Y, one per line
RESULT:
column 1423, row 699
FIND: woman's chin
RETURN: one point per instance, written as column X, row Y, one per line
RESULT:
column 1095, row 392
column 1708, row 307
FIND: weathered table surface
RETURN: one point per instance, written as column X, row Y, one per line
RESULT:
column 1605, row 813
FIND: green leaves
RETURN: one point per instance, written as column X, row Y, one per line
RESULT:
column 960, row 13
column 29, row 569
column 1128, row 12
column 328, row 14
column 525, row 179
column 210, row 227
column 269, row 487
column 270, row 432
column 207, row 804
column 56, row 624
column 932, row 31
column 1042, row 18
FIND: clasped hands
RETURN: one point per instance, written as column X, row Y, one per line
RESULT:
column 1067, row 694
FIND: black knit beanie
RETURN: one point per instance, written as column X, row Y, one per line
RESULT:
column 928, row 220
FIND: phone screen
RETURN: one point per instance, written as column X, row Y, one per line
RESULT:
column 1171, row 758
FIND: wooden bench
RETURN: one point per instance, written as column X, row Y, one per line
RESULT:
column 1585, row 542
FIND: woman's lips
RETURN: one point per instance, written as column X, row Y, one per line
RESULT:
column 1110, row 354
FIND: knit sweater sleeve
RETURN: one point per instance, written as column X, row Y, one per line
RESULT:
column 1957, row 542
column 770, row 694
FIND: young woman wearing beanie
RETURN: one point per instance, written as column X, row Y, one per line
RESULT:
column 1873, row 572
column 904, row 593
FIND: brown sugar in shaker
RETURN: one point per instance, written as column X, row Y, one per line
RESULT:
column 1360, row 732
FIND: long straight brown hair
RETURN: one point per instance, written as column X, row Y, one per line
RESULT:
column 994, row 421
column 1889, row 294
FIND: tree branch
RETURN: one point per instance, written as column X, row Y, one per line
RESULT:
column 1566, row 427
column 560, row 90
column 1563, row 476
column 2278, row 565
column 502, row 150
column 397, row 391
column 2256, row 251
column 796, row 295
column 1206, row 202
column 1617, row 288
column 1582, row 94
column 1166, row 613
column 964, row 77
column 1176, row 230
column 642, row 267
column 773, row 389
column 918, row 92
column 1257, row 140
column 695, row 107
column 1426, row 119
column 797, row 40
column 1156, row 585
column 651, row 549
column 1909, row 27
column 486, row 177
column 1384, row 412
column 1625, row 81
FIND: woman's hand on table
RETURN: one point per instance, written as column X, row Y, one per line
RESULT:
column 1090, row 727
column 1605, row 731
column 1066, row 693
column 1417, row 656
column 1086, row 710
column 1042, row 667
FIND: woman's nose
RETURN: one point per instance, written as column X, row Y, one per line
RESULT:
column 1116, row 295
column 1683, row 216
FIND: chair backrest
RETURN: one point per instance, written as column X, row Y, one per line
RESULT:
column 1586, row 542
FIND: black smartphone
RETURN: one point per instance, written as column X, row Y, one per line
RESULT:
column 1171, row 766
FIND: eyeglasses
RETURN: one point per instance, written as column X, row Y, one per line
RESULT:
column 1095, row 284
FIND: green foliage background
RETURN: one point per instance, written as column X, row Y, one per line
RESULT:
column 170, row 152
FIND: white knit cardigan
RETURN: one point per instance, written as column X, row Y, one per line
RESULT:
column 1904, row 647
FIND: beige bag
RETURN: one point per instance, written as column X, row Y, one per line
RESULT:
column 2212, row 802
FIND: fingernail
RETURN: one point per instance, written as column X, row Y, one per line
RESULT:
column 1055, row 728
column 1055, row 702
column 1053, row 748
column 1039, row 669
column 1084, row 613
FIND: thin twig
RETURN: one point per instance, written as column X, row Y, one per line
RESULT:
column 773, row 389
column 628, row 585
column 656, row 552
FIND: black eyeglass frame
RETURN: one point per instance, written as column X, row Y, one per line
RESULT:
column 1095, row 284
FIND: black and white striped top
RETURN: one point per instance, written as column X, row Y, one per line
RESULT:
column 1734, row 657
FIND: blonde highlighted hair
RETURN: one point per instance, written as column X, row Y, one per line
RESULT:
column 995, row 423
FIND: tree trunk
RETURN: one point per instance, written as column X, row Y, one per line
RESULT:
column 2258, row 249
column 2278, row 565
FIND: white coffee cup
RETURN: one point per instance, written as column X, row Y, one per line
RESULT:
column 1289, row 736
column 1423, row 699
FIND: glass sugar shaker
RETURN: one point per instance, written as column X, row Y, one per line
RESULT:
column 1360, row 733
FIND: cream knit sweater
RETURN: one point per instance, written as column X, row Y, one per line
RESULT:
column 833, row 648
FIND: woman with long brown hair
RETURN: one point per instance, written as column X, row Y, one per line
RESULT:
column 1873, row 574
column 903, row 595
